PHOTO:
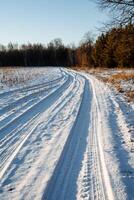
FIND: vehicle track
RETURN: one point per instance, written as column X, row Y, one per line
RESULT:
column 116, row 138
column 58, row 140
column 18, row 140
column 8, row 103
column 15, row 134
column 94, row 176
column 62, row 184
column 65, row 133
column 20, row 106
column 34, row 109
column 91, row 184
column 32, row 87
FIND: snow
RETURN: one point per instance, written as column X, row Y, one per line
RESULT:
column 65, row 135
column 15, row 78
column 121, row 81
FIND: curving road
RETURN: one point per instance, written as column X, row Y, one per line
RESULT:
column 62, row 139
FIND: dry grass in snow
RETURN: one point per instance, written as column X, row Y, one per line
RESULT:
column 16, row 77
column 121, row 79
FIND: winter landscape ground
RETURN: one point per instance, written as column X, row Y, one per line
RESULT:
column 66, row 135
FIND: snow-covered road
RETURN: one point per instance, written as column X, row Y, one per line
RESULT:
column 67, row 138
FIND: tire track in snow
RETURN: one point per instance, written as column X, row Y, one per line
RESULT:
column 62, row 184
column 34, row 109
column 120, row 143
column 15, row 133
column 59, row 137
column 45, row 103
column 32, row 125
column 33, row 93
column 96, row 176
column 21, row 105
column 102, row 169
column 29, row 88
column 91, row 178
column 81, row 171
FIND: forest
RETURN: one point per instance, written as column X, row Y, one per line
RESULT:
column 114, row 48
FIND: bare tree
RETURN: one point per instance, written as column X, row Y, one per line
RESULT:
column 122, row 10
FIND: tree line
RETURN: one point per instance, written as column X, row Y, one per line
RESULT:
column 114, row 48
column 54, row 54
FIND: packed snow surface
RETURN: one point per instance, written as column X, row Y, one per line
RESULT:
column 64, row 135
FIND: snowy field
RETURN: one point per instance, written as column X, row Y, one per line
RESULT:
column 64, row 135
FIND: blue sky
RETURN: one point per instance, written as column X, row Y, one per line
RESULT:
column 41, row 21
